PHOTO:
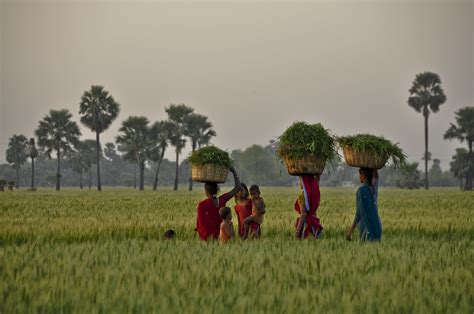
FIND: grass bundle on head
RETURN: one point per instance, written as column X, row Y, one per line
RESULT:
column 211, row 155
column 374, row 144
column 302, row 139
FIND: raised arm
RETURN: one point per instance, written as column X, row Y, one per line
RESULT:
column 237, row 186
column 260, row 204
column 229, row 229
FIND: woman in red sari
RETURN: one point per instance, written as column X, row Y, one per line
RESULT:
column 243, row 209
column 306, row 206
column 208, row 218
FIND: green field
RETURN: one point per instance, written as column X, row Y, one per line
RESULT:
column 84, row 251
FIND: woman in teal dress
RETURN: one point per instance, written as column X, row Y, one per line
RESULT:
column 367, row 215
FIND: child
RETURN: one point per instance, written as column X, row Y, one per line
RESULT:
column 227, row 229
column 258, row 209
column 170, row 234
column 243, row 207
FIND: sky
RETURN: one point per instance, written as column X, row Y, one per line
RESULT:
column 252, row 67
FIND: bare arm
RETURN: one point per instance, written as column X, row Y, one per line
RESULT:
column 238, row 220
column 261, row 206
column 237, row 186
column 357, row 218
column 229, row 229
column 376, row 176
column 350, row 231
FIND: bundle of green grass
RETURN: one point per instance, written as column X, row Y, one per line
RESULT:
column 305, row 148
column 369, row 151
column 210, row 164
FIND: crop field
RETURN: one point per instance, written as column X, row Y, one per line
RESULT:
column 88, row 252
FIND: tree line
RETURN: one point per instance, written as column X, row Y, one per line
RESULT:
column 138, row 141
column 140, row 147
column 255, row 164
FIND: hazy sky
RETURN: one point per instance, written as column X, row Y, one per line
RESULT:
column 252, row 67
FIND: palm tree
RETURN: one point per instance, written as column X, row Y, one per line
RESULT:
column 134, row 142
column 409, row 176
column 109, row 151
column 459, row 165
column 199, row 130
column 98, row 109
column 177, row 115
column 83, row 158
column 159, row 136
column 177, row 140
column 115, row 162
column 426, row 95
column 16, row 154
column 464, row 131
column 89, row 152
column 57, row 132
column 205, row 139
column 77, row 162
column 32, row 152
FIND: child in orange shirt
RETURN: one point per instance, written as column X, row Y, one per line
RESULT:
column 258, row 209
column 227, row 229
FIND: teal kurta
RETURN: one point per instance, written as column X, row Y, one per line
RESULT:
column 367, row 214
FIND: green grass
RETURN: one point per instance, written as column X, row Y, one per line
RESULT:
column 84, row 251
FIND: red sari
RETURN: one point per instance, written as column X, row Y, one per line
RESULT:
column 208, row 219
column 312, row 199
column 243, row 211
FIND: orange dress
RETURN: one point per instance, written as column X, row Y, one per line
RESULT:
column 223, row 236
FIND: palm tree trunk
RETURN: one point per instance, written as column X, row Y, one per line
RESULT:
column 155, row 183
column 468, row 186
column 17, row 183
column 134, row 176
column 90, row 177
column 426, row 115
column 142, row 175
column 190, row 176
column 32, row 173
column 97, row 154
column 58, row 173
column 176, row 179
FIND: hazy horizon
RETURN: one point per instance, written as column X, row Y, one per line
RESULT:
column 252, row 68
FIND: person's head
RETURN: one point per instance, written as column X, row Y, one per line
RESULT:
column 211, row 189
column 243, row 192
column 170, row 234
column 225, row 213
column 366, row 175
column 254, row 191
